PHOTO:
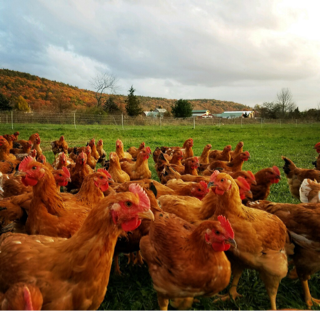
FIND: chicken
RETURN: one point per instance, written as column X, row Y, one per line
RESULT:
column 102, row 153
column 26, row 148
column 173, row 247
column 247, row 175
column 204, row 158
column 264, row 179
column 8, row 161
column 129, row 243
column 175, row 161
column 187, row 145
column 118, row 175
column 10, row 139
column 195, row 211
column 21, row 296
column 92, row 162
column 309, row 191
column 134, row 151
column 224, row 155
column 79, row 171
column 119, row 150
column 42, row 159
column 191, row 165
column 12, row 208
column 233, row 166
column 62, row 160
column 261, row 238
column 73, row 274
column 59, row 146
column 94, row 151
column 237, row 150
column 12, row 185
column 33, row 138
column 303, row 225
column 139, row 169
column 295, row 176
column 48, row 214
column 37, row 147
column 317, row 162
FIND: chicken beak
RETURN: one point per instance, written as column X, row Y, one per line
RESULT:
column 20, row 174
column 210, row 184
column 146, row 215
column 249, row 194
column 231, row 242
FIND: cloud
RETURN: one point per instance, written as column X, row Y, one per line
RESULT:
column 229, row 50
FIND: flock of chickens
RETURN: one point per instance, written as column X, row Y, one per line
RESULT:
column 206, row 219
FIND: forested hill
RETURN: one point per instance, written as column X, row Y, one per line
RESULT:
column 44, row 94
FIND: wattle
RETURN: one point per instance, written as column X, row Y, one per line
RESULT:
column 131, row 224
column 104, row 187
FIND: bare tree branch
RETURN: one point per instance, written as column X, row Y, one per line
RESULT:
column 285, row 101
column 102, row 83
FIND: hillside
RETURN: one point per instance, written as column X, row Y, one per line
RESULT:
column 44, row 94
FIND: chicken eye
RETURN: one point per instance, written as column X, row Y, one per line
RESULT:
column 60, row 175
column 128, row 203
column 217, row 232
column 199, row 189
column 222, row 180
column 101, row 177
column 34, row 167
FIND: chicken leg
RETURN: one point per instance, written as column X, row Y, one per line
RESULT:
column 233, row 288
column 307, row 296
column 182, row 303
column 163, row 302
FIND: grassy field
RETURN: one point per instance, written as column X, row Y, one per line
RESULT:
column 266, row 144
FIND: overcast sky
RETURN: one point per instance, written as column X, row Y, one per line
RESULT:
column 242, row 51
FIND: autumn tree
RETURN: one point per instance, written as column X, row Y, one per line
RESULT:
column 21, row 104
column 61, row 102
column 102, row 83
column 285, row 101
column 4, row 103
column 133, row 104
column 111, row 107
column 182, row 109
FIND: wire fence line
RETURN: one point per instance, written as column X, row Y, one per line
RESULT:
column 122, row 121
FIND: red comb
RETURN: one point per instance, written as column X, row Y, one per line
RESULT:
column 214, row 175
column 247, row 153
column 276, row 170
column 144, row 199
column 148, row 149
column 317, row 145
column 226, row 225
column 25, row 162
column 204, row 185
column 66, row 171
column 62, row 138
column 104, row 171
column 243, row 183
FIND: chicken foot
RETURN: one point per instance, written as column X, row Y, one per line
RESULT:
column 138, row 260
column 233, row 288
column 310, row 301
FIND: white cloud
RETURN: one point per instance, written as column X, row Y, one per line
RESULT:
column 230, row 50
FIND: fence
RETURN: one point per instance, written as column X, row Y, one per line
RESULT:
column 15, row 117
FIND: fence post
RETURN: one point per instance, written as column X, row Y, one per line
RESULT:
column 296, row 122
column 160, row 120
column 12, row 119
column 280, row 122
column 122, row 120
column 261, row 122
column 194, row 122
column 74, row 120
column 241, row 121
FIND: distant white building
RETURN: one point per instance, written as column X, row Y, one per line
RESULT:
column 201, row 113
column 156, row 112
column 235, row 114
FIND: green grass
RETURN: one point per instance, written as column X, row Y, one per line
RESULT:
column 266, row 144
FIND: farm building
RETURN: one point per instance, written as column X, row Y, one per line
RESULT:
column 234, row 114
column 202, row 113
column 155, row 113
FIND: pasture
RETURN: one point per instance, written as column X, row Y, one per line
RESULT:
column 266, row 144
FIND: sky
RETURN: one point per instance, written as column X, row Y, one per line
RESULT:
column 242, row 51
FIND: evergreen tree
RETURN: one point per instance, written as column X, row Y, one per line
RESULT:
column 111, row 107
column 133, row 104
column 182, row 109
column 4, row 103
